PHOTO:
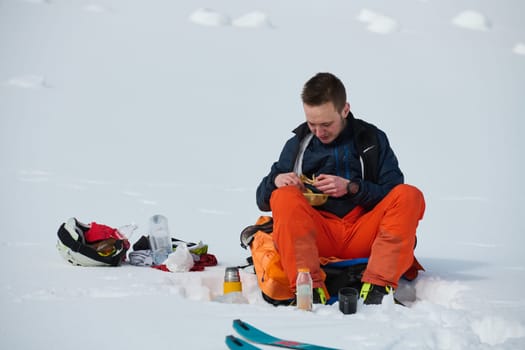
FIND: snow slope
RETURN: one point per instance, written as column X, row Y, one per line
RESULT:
column 113, row 110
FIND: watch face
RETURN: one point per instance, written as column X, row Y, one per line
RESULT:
column 353, row 188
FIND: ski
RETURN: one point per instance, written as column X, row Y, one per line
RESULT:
column 236, row 343
column 255, row 335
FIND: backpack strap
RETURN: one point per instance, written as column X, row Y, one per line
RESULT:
column 298, row 166
column 264, row 223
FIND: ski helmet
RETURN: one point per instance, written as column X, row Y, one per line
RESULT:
column 75, row 249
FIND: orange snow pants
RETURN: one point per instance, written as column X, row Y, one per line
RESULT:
column 386, row 235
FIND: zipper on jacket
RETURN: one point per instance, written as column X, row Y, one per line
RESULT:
column 342, row 166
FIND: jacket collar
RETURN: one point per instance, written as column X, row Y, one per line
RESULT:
column 302, row 130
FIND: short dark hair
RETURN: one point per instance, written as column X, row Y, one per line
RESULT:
column 323, row 88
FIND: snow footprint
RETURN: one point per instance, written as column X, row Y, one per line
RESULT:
column 212, row 18
column 38, row 2
column 378, row 23
column 139, row 197
column 214, row 211
column 472, row 20
column 96, row 8
column 519, row 49
column 28, row 82
column 34, row 175
column 254, row 19
column 130, row 193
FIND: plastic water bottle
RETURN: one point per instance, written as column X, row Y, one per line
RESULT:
column 159, row 239
column 304, row 289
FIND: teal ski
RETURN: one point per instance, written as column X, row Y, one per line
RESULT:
column 237, row 343
column 255, row 335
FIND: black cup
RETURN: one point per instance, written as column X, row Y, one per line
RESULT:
column 348, row 300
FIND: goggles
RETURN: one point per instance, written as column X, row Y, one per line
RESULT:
column 104, row 247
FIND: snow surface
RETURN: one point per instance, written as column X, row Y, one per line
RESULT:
column 114, row 110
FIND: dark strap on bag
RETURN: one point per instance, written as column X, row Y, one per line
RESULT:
column 248, row 233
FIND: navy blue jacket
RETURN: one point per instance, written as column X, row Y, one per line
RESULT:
column 340, row 158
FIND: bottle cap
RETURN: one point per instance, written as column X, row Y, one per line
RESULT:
column 303, row 269
column 231, row 274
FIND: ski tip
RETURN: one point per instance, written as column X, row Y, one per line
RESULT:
column 230, row 339
column 235, row 343
column 239, row 323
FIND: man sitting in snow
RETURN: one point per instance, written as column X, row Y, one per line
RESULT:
column 369, row 211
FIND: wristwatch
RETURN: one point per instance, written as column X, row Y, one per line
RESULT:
column 352, row 188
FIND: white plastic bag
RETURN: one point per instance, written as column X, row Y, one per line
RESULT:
column 180, row 260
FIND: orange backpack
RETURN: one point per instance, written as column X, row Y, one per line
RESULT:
column 271, row 277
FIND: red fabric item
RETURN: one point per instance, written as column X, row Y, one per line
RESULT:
column 161, row 267
column 205, row 260
column 98, row 232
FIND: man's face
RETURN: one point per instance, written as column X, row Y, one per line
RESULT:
column 324, row 121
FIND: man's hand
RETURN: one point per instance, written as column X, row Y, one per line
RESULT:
column 289, row 179
column 331, row 185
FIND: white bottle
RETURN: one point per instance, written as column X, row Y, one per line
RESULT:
column 159, row 239
column 304, row 289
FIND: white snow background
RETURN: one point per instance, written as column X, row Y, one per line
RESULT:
column 112, row 111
